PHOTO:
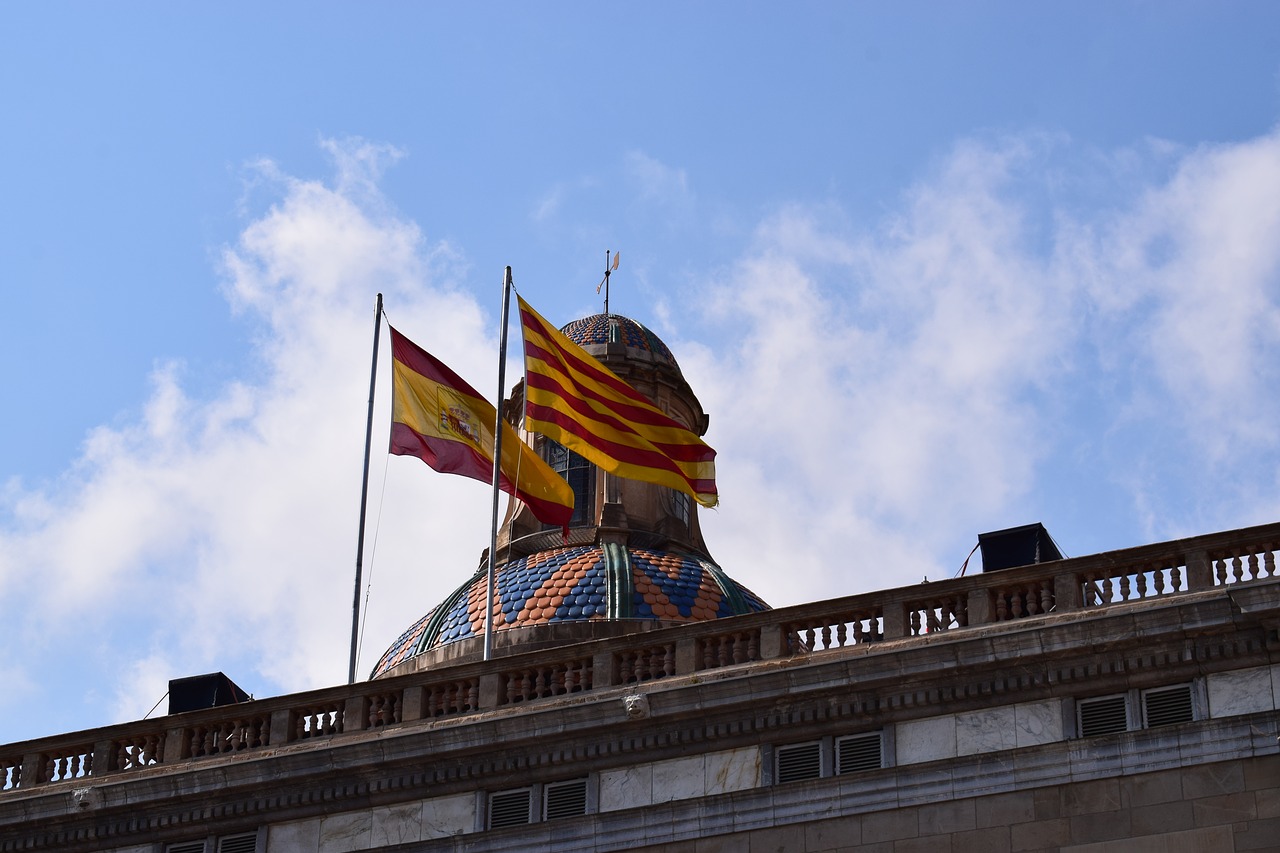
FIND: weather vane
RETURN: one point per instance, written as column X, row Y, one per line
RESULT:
column 604, row 282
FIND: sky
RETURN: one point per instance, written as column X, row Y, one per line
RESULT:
column 933, row 269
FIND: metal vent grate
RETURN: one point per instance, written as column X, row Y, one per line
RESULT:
column 1167, row 705
column 799, row 761
column 858, row 752
column 509, row 808
column 1104, row 715
column 246, row 843
column 564, row 799
column 185, row 847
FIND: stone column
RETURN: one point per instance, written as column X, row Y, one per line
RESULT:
column 411, row 704
column 979, row 606
column 895, row 620
column 686, row 656
column 281, row 723
column 602, row 670
column 490, row 691
column 355, row 714
column 1199, row 571
column 1066, row 592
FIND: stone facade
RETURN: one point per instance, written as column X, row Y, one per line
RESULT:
column 1121, row 701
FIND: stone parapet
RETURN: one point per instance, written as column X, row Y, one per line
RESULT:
column 1132, row 620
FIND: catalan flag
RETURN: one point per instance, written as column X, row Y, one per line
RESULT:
column 440, row 419
column 572, row 398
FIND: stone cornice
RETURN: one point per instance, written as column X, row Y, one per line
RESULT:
column 827, row 692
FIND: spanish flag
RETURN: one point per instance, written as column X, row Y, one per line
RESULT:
column 440, row 419
column 572, row 398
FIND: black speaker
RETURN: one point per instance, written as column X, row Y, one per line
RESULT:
column 1017, row 546
column 203, row 691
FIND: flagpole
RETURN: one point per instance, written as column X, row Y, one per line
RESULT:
column 364, row 495
column 497, row 465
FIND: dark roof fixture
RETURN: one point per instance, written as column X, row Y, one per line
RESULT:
column 1017, row 546
column 203, row 691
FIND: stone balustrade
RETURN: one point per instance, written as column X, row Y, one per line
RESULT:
column 906, row 614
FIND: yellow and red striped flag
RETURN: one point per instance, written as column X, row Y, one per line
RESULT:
column 572, row 398
column 440, row 419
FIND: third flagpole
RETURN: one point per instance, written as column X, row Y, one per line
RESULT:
column 497, row 466
column 364, row 495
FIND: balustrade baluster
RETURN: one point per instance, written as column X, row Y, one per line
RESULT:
column 1253, row 566
column 1030, row 601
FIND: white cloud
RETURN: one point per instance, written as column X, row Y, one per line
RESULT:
column 877, row 399
column 881, row 399
column 655, row 181
column 223, row 530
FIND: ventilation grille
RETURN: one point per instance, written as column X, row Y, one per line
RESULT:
column 246, row 843
column 509, row 808
column 185, row 847
column 1167, row 706
column 858, row 752
column 1102, row 716
column 565, row 799
column 798, row 762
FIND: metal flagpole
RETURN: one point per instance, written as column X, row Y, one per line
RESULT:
column 610, row 483
column 364, row 494
column 497, row 466
column 604, row 282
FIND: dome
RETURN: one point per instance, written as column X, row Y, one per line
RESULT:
column 634, row 558
column 594, row 331
column 580, row 585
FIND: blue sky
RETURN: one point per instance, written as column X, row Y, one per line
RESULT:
column 933, row 269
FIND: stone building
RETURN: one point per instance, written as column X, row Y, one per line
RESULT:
column 640, row 699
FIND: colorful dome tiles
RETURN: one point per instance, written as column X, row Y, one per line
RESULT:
column 595, row 330
column 574, row 585
column 664, row 589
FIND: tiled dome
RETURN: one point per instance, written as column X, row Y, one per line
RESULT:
column 595, row 330
column 584, row 583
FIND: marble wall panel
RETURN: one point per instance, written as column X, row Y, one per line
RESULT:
column 929, row 739
column 988, row 730
column 397, row 824
column 1243, row 691
column 293, row 836
column 681, row 779
column 626, row 788
column 445, row 816
column 733, row 770
column 343, row 833
column 1038, row 722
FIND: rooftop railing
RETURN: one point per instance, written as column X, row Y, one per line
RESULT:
column 1085, row 583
